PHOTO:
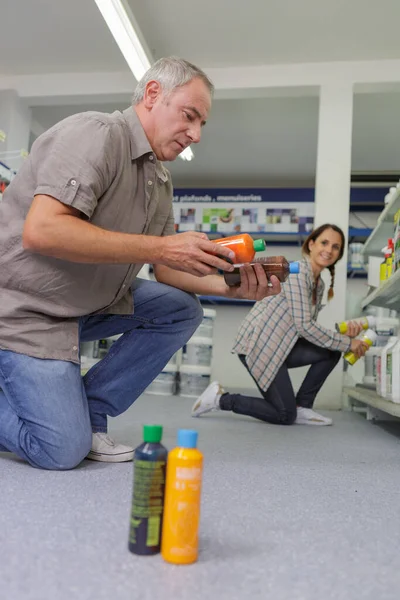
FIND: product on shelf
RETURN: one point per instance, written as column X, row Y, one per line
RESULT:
column 272, row 265
column 368, row 322
column 149, row 460
column 193, row 380
column 197, row 351
column 381, row 378
column 393, row 373
column 370, row 365
column 180, row 537
column 243, row 246
column 369, row 338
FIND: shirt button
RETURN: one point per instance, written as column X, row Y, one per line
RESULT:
column 74, row 348
column 124, row 285
column 150, row 182
column 73, row 181
column 151, row 157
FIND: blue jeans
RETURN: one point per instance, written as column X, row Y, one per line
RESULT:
column 48, row 411
column 278, row 404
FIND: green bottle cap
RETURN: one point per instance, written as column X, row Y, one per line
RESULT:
column 152, row 434
column 258, row 245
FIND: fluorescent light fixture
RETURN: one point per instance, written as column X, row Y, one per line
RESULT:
column 122, row 28
column 187, row 154
column 126, row 33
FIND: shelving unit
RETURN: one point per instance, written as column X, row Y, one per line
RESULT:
column 386, row 295
column 384, row 228
column 371, row 398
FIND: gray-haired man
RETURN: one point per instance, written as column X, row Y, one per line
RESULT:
column 90, row 206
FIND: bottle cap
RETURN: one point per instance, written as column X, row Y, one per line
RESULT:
column 152, row 434
column 187, row 438
column 294, row 267
column 258, row 245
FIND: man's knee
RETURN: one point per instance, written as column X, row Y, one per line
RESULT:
column 188, row 305
column 66, row 454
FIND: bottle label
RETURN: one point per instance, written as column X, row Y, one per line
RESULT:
column 183, row 521
column 147, row 503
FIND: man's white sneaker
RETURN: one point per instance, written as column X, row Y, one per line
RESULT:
column 209, row 400
column 307, row 416
column 105, row 449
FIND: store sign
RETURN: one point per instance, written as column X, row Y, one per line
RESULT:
column 252, row 210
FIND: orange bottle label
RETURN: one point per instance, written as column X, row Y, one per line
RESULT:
column 182, row 506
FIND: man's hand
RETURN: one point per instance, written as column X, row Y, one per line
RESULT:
column 254, row 284
column 192, row 252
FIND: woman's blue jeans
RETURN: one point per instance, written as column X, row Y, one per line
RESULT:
column 48, row 411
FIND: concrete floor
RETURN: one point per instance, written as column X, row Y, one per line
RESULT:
column 295, row 513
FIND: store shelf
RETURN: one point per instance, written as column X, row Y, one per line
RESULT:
column 353, row 272
column 387, row 295
column 384, row 228
column 371, row 398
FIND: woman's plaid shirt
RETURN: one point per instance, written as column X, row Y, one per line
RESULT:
column 272, row 327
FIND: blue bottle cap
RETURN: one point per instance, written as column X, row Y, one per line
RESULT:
column 294, row 267
column 187, row 438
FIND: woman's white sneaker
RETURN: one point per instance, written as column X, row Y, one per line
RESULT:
column 209, row 400
column 307, row 416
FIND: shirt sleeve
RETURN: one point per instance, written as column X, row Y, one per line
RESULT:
column 299, row 297
column 169, row 228
column 74, row 162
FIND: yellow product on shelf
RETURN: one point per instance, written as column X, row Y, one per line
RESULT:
column 369, row 338
column 367, row 322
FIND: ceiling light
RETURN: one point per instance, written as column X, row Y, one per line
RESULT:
column 187, row 154
column 126, row 33
column 122, row 28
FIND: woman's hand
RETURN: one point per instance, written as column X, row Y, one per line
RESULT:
column 359, row 347
column 354, row 328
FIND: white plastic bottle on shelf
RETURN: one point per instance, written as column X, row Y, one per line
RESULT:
column 370, row 365
column 381, row 367
column 393, row 373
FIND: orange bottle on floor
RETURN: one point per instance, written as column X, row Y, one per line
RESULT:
column 243, row 246
column 180, row 539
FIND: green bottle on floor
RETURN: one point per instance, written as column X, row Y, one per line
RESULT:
column 149, row 460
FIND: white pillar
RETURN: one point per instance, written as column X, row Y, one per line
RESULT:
column 15, row 121
column 332, row 203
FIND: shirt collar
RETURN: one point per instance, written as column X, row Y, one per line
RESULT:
column 140, row 145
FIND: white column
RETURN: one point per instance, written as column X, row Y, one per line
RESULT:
column 15, row 121
column 332, row 202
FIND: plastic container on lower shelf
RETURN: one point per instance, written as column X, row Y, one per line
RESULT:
column 198, row 352
column 370, row 365
column 206, row 327
column 165, row 382
column 381, row 376
column 193, row 380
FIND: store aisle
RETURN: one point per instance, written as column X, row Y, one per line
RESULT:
column 287, row 514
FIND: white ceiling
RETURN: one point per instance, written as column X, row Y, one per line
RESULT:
column 253, row 141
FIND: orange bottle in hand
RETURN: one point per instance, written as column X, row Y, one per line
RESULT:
column 243, row 246
column 180, row 538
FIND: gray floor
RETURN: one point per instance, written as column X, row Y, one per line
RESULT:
column 287, row 514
